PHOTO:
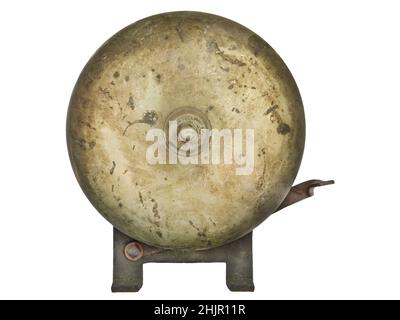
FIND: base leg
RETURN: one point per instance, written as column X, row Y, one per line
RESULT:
column 239, row 265
column 130, row 281
column 127, row 275
column 239, row 278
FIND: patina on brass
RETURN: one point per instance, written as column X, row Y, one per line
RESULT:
column 143, row 75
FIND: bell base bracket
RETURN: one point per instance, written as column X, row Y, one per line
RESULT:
column 128, row 274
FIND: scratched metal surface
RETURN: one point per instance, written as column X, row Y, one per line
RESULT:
column 141, row 76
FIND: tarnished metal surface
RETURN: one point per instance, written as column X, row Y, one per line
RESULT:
column 227, row 77
column 238, row 256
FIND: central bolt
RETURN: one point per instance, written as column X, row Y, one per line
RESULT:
column 190, row 121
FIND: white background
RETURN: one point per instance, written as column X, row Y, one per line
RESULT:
column 342, row 243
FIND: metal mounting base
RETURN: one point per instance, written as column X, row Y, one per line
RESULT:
column 130, row 255
column 238, row 256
